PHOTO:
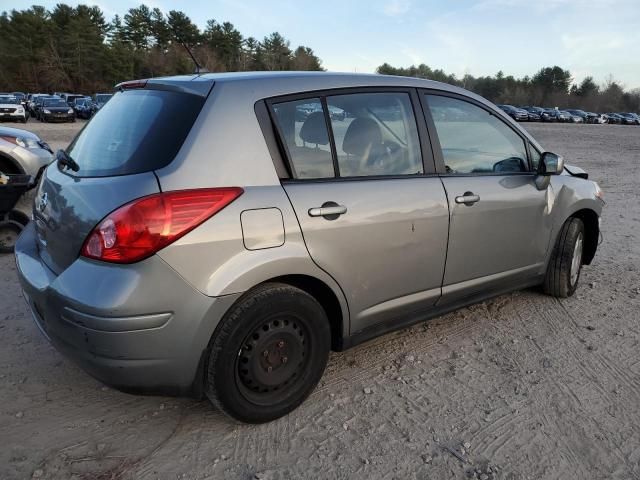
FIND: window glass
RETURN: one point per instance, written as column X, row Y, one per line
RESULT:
column 303, row 126
column 375, row 134
column 475, row 141
column 535, row 157
column 137, row 131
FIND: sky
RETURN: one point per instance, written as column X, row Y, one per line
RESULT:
column 588, row 37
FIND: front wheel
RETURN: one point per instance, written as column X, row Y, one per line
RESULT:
column 565, row 264
column 268, row 353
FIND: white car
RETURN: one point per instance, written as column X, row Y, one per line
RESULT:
column 12, row 109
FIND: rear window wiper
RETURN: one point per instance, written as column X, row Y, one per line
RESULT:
column 66, row 161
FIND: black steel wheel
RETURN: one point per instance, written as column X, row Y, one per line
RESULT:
column 268, row 353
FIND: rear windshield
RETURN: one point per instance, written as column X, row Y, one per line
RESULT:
column 136, row 131
column 56, row 102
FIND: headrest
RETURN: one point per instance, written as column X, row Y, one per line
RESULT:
column 314, row 129
column 361, row 134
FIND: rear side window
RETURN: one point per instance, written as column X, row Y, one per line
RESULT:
column 304, row 130
column 475, row 141
column 375, row 134
column 136, row 131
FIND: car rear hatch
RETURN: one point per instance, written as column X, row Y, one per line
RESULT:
column 139, row 130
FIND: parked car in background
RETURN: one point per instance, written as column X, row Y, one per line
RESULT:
column 630, row 118
column 39, row 101
column 22, row 152
column 578, row 113
column 56, row 110
column 12, row 109
column 155, row 271
column 31, row 102
column 614, row 118
column 99, row 100
column 601, row 119
column 534, row 113
column 70, row 98
column 537, row 113
column 517, row 114
column 577, row 116
column 557, row 115
column 83, row 107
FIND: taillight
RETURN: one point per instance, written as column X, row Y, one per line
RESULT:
column 139, row 229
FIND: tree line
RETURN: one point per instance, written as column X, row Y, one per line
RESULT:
column 76, row 49
column 549, row 87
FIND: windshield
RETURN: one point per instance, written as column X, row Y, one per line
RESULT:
column 8, row 100
column 102, row 98
column 55, row 102
column 136, row 131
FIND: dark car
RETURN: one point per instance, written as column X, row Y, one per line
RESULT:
column 555, row 115
column 535, row 113
column 579, row 113
column 592, row 117
column 56, row 110
column 70, row 98
column 83, row 107
column 39, row 101
column 614, row 118
column 564, row 116
column 99, row 99
column 630, row 118
column 518, row 114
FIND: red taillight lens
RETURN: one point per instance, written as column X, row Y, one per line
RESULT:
column 139, row 229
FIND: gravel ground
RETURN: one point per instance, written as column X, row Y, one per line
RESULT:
column 524, row 386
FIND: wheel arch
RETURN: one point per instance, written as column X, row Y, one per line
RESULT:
column 326, row 297
column 11, row 162
column 591, row 233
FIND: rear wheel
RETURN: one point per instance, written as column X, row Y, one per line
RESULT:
column 267, row 354
column 565, row 263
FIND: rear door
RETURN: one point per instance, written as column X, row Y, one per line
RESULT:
column 500, row 224
column 372, row 213
column 137, row 132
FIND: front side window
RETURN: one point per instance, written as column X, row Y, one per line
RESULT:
column 475, row 141
column 535, row 157
column 375, row 134
column 303, row 127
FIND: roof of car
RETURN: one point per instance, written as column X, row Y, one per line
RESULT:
column 280, row 83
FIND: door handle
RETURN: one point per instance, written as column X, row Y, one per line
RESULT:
column 328, row 210
column 468, row 198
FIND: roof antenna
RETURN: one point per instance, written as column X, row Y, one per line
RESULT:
column 199, row 69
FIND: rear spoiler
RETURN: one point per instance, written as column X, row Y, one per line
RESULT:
column 192, row 85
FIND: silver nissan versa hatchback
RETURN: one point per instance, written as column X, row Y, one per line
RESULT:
column 219, row 234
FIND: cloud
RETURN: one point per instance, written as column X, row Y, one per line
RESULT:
column 396, row 8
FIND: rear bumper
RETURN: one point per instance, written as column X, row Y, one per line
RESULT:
column 137, row 327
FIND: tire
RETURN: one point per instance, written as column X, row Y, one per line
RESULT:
column 291, row 328
column 9, row 233
column 565, row 264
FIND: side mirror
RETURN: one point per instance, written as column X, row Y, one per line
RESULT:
column 550, row 164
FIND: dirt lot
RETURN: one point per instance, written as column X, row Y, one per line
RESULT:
column 520, row 387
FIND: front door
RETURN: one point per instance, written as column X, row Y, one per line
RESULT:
column 370, row 216
column 500, row 225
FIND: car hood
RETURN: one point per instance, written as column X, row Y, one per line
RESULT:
column 9, row 105
column 57, row 109
column 17, row 132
